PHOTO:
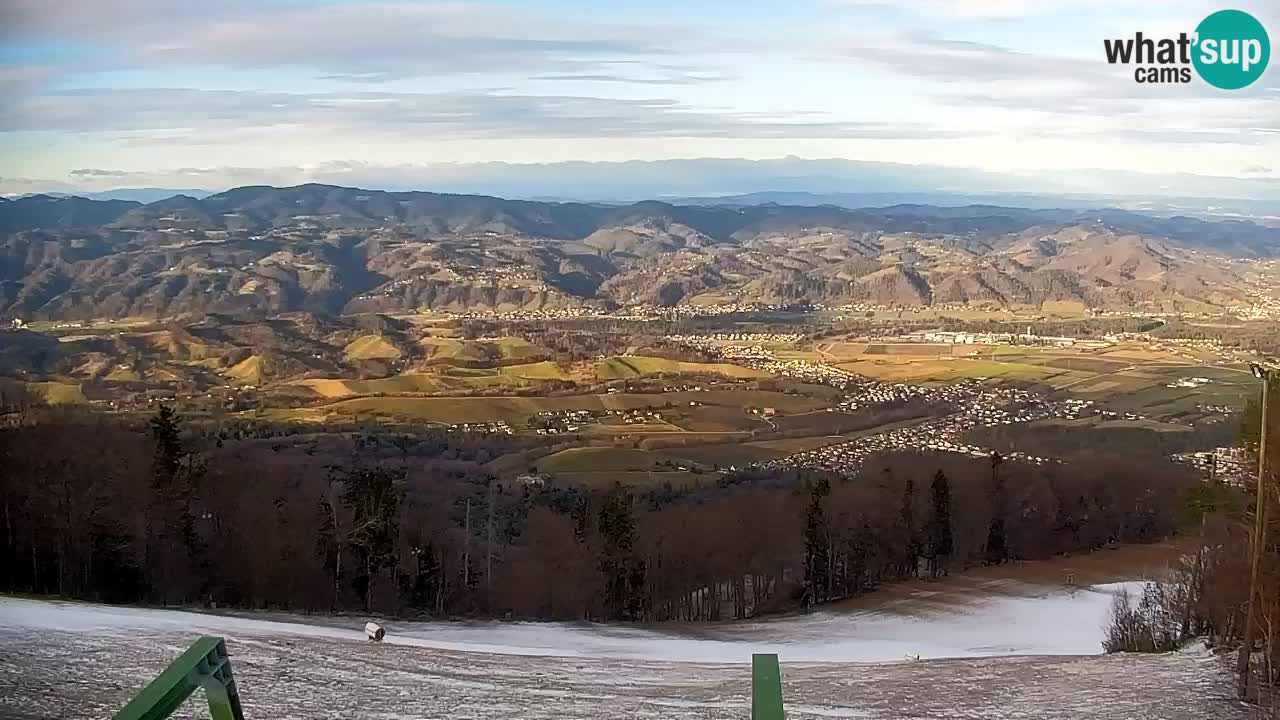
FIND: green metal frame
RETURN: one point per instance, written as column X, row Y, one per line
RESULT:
column 766, row 688
column 204, row 665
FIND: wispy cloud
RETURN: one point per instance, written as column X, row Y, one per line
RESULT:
column 368, row 40
column 1059, row 95
column 198, row 117
column 1014, row 83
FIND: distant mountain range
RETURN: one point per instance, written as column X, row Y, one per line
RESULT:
column 787, row 181
column 342, row 250
column 140, row 195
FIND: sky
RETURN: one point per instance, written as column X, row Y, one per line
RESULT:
column 103, row 94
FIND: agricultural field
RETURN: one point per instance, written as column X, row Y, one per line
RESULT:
column 631, row 366
column 371, row 347
column 924, row 369
column 628, row 466
column 638, row 478
column 448, row 378
column 247, row 371
column 399, row 384
column 58, row 393
column 517, row 410
column 717, row 419
column 592, row 458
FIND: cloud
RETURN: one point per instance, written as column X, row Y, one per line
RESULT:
column 979, row 9
column 1049, row 95
column 19, row 80
column 193, row 117
column 38, row 19
column 367, row 41
column 1256, row 170
column 666, row 78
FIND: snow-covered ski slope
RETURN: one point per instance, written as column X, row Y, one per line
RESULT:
column 1003, row 656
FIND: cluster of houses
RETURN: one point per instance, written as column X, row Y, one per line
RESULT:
column 503, row 276
column 680, row 312
column 483, row 427
column 555, row 422
column 715, row 340
column 1229, row 465
column 811, row 372
column 977, row 405
column 950, row 337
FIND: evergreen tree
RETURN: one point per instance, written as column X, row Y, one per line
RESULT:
column 939, row 531
column 817, row 546
column 907, row 519
column 623, row 572
column 997, row 550
column 373, row 497
column 167, row 457
column 170, row 537
column 581, row 515
column 329, row 547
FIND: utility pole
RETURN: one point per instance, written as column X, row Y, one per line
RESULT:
column 1259, row 536
column 488, row 553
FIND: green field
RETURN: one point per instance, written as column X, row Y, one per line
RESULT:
column 408, row 383
column 716, row 419
column 452, row 351
column 596, row 459
column 931, row 369
column 907, row 349
column 58, row 393
column 654, row 478
column 248, row 371
column 519, row 409
column 631, row 366
column 371, row 347
column 507, row 375
column 723, row 454
column 514, row 348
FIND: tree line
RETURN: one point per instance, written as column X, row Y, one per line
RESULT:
column 173, row 515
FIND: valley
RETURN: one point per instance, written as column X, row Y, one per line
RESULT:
column 851, row 436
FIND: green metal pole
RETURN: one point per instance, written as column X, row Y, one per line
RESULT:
column 766, row 688
column 204, row 665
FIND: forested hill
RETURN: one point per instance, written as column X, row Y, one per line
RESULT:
column 264, row 207
column 268, row 250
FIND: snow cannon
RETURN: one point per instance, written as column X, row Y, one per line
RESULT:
column 374, row 631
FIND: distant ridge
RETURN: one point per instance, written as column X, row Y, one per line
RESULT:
column 336, row 249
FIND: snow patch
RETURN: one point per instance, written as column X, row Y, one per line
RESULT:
column 1060, row 623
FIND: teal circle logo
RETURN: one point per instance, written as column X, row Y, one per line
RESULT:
column 1232, row 49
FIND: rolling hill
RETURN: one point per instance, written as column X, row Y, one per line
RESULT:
column 333, row 250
